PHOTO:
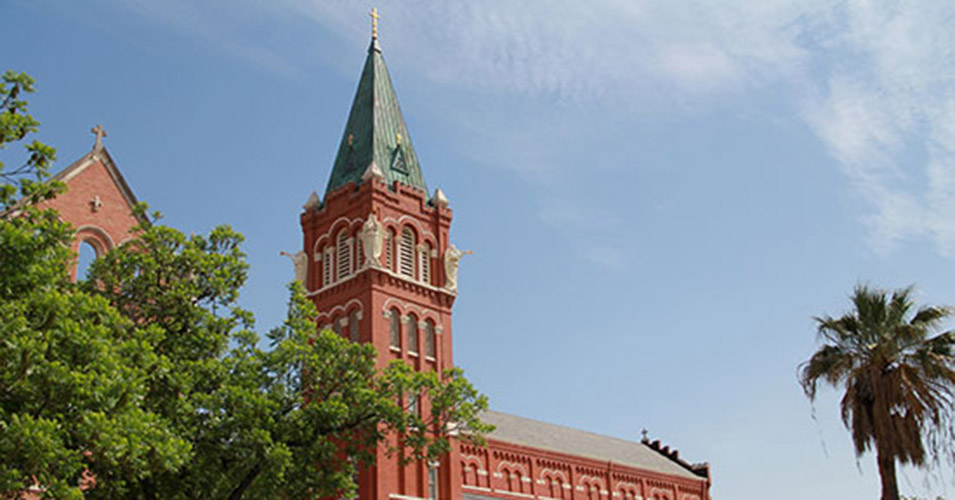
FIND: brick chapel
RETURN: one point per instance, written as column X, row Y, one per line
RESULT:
column 378, row 262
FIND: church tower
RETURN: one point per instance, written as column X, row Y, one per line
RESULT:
column 380, row 268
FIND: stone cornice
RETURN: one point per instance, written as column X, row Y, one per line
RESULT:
column 380, row 277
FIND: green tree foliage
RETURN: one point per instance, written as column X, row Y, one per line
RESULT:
column 290, row 421
column 40, row 247
column 15, row 125
column 149, row 377
column 898, row 374
column 72, row 369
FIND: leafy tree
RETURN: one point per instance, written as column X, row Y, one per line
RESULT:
column 15, row 125
column 148, row 381
column 292, row 421
column 26, row 182
column 72, row 369
column 898, row 374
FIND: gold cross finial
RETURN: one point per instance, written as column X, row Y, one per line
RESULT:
column 374, row 23
column 100, row 134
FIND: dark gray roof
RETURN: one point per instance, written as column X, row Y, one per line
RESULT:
column 537, row 434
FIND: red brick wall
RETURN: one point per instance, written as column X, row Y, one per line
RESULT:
column 505, row 470
column 104, row 226
column 378, row 292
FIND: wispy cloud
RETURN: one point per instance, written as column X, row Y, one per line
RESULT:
column 874, row 80
column 583, row 50
column 699, row 67
column 887, row 115
column 228, row 30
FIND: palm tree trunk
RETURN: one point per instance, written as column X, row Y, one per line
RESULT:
column 890, row 486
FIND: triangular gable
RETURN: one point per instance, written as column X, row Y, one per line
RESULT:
column 97, row 155
column 102, row 156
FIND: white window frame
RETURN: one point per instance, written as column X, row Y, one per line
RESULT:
column 424, row 263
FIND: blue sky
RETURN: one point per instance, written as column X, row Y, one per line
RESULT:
column 659, row 195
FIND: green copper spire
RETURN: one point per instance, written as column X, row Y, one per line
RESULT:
column 376, row 132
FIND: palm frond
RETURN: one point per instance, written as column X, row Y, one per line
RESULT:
column 898, row 374
column 930, row 316
column 830, row 363
column 899, row 306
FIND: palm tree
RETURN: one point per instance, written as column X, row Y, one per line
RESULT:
column 898, row 374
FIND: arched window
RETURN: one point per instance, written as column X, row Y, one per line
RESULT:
column 389, row 250
column 412, row 334
column 424, row 263
column 555, row 488
column 327, row 259
column 353, row 326
column 469, row 474
column 344, row 254
column 406, row 253
column 429, row 339
column 337, row 325
column 394, row 328
column 87, row 254
column 593, row 492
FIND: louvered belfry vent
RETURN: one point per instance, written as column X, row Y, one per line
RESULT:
column 344, row 255
column 406, row 249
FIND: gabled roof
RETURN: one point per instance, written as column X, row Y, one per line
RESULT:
column 100, row 154
column 376, row 132
column 542, row 435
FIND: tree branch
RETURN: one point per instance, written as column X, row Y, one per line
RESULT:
column 246, row 482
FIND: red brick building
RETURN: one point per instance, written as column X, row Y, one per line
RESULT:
column 98, row 202
column 379, row 264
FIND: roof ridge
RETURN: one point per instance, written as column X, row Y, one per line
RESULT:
column 701, row 469
column 540, row 434
column 575, row 429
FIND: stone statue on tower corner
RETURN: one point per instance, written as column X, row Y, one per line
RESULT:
column 371, row 240
column 300, row 261
column 452, row 257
